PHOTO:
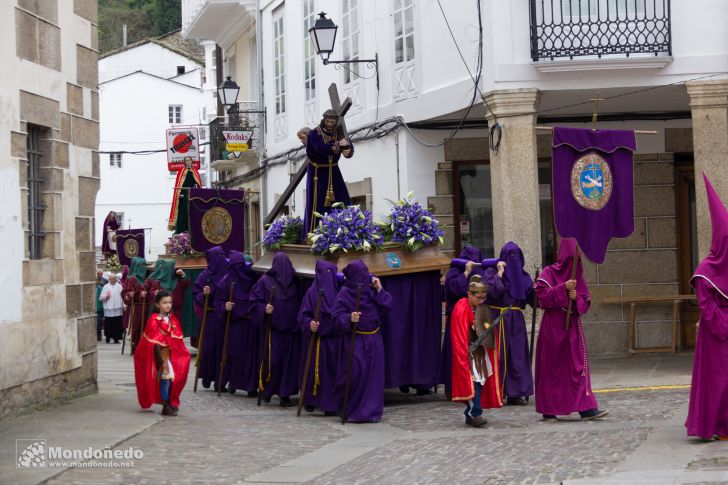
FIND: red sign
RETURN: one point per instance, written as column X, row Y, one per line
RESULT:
column 183, row 149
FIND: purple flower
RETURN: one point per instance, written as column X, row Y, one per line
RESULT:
column 180, row 244
column 284, row 230
column 345, row 229
column 411, row 225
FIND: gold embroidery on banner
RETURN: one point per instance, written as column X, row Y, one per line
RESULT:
column 131, row 248
column 217, row 225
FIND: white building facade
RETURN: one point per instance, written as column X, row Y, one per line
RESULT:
column 542, row 62
column 144, row 90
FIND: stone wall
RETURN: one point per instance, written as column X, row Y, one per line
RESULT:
column 50, row 352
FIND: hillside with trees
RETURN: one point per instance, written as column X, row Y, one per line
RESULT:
column 143, row 18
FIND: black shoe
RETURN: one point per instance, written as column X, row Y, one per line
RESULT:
column 205, row 384
column 252, row 393
column 549, row 417
column 116, row 342
column 309, row 409
column 468, row 420
column 231, row 390
column 167, row 409
column 423, row 392
column 108, row 340
column 330, row 413
column 478, row 421
column 516, row 401
column 404, row 389
column 592, row 414
column 286, row 402
column 266, row 399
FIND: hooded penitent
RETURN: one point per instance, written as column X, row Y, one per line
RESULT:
column 708, row 410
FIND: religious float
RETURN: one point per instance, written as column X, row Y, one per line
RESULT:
column 404, row 252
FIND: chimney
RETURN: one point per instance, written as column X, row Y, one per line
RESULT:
column 123, row 35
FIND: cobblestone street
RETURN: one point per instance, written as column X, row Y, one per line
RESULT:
column 228, row 439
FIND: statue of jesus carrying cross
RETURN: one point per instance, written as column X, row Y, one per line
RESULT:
column 325, row 145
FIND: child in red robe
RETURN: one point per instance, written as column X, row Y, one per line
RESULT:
column 474, row 382
column 161, row 361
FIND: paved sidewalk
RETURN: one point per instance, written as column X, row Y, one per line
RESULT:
column 228, row 439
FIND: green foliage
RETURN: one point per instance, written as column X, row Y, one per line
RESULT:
column 143, row 18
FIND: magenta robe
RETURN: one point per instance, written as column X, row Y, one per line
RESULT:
column 563, row 383
column 708, row 411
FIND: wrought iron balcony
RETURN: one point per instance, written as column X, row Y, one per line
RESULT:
column 237, row 134
column 573, row 28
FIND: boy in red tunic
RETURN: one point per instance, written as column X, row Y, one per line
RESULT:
column 162, row 361
column 474, row 382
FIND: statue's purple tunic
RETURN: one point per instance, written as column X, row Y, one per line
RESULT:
column 328, row 339
column 708, row 410
column 319, row 150
column 241, row 367
column 515, row 288
column 366, row 392
column 212, row 339
column 563, row 382
column 285, row 348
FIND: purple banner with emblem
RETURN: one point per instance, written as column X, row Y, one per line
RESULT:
column 593, row 187
column 129, row 244
column 217, row 218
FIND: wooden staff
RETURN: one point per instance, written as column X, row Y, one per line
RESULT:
column 266, row 350
column 314, row 336
column 573, row 275
column 128, row 326
column 533, row 319
column 199, row 344
column 352, row 341
column 225, row 341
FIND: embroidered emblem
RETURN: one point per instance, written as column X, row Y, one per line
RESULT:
column 131, row 248
column 591, row 181
column 393, row 260
column 217, row 225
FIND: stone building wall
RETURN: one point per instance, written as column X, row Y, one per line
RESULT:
column 49, row 83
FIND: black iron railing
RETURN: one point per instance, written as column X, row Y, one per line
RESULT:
column 572, row 28
column 243, row 117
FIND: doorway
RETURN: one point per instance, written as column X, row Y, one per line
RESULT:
column 687, row 242
column 473, row 206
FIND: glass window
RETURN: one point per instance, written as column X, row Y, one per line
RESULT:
column 175, row 114
column 278, row 56
column 404, row 30
column 475, row 215
column 309, row 54
column 35, row 201
column 350, row 37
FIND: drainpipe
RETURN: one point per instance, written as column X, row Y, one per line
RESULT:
column 396, row 151
column 261, row 107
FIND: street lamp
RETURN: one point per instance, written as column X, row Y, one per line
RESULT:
column 228, row 92
column 323, row 36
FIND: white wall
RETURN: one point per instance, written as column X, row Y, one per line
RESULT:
column 11, row 222
column 150, row 57
column 142, row 187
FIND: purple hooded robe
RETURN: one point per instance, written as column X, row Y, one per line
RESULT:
column 456, row 288
column 366, row 392
column 321, row 378
column 211, row 350
column 515, row 288
column 285, row 338
column 241, row 367
column 563, row 383
column 708, row 410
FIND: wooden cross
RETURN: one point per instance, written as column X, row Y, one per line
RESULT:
column 596, row 110
column 341, row 109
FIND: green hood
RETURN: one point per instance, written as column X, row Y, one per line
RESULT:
column 164, row 273
column 138, row 270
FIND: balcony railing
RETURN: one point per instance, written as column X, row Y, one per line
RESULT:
column 243, row 118
column 573, row 28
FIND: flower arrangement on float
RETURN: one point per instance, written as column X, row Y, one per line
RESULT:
column 283, row 230
column 411, row 225
column 345, row 228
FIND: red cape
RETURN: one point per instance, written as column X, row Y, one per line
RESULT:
column 462, row 377
column 169, row 335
